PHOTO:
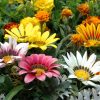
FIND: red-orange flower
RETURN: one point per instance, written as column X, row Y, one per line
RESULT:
column 66, row 12
column 10, row 25
column 83, row 8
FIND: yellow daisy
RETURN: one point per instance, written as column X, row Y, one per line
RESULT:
column 22, row 33
column 32, row 35
column 43, row 40
column 90, row 34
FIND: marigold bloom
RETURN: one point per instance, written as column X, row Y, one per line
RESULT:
column 28, row 20
column 46, row 5
column 76, row 39
column 11, row 51
column 23, row 33
column 90, row 34
column 92, row 19
column 83, row 68
column 66, row 12
column 42, row 16
column 83, row 8
column 38, row 66
column 43, row 40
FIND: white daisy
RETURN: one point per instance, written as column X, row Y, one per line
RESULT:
column 83, row 68
column 11, row 51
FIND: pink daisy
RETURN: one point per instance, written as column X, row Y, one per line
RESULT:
column 11, row 51
column 38, row 66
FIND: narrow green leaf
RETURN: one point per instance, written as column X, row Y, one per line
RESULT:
column 13, row 92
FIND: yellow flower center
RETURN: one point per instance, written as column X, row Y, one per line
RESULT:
column 39, row 71
column 82, row 74
column 6, row 59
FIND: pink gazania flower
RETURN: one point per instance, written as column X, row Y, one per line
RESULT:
column 11, row 51
column 38, row 66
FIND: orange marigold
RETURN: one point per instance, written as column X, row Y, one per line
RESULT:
column 92, row 19
column 83, row 8
column 66, row 12
column 76, row 39
column 43, row 16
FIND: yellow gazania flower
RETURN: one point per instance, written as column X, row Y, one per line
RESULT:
column 22, row 34
column 83, row 8
column 43, row 40
column 42, row 16
column 92, row 19
column 28, row 20
column 44, row 4
column 90, row 34
column 66, row 12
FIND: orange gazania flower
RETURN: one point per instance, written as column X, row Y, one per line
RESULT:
column 83, row 8
column 90, row 34
column 76, row 39
column 43, row 16
column 92, row 19
column 66, row 12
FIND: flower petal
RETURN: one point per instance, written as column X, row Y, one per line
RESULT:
column 29, row 78
column 41, row 77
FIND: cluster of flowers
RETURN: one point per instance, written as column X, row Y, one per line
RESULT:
column 32, row 32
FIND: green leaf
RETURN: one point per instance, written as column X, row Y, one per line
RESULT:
column 13, row 92
column 2, row 79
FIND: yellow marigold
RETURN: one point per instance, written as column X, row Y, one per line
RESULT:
column 44, row 4
column 83, row 8
column 42, row 16
column 66, row 12
column 76, row 39
column 90, row 34
column 92, row 19
column 28, row 20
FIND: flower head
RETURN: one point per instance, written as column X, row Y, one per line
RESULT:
column 23, row 33
column 92, row 19
column 66, row 12
column 46, row 5
column 90, row 34
column 83, row 8
column 77, row 40
column 28, row 20
column 82, row 68
column 38, row 66
column 43, row 40
column 42, row 16
column 10, row 52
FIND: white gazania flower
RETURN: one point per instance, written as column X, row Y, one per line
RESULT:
column 83, row 68
column 11, row 51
